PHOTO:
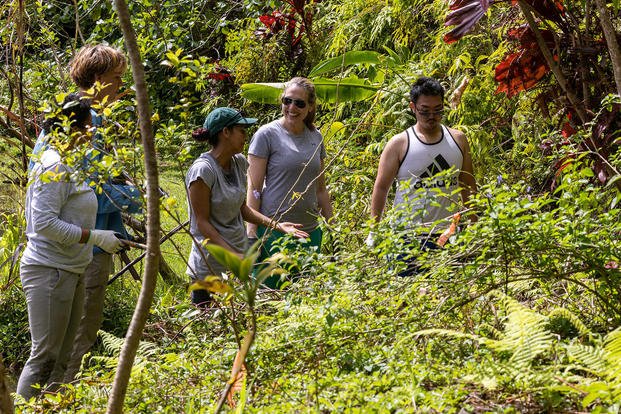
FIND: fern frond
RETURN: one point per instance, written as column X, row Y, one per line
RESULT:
column 590, row 358
column 612, row 345
column 525, row 335
column 495, row 333
column 449, row 333
column 573, row 319
column 111, row 343
column 107, row 361
column 612, row 348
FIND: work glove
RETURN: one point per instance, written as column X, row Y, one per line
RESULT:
column 106, row 240
column 370, row 240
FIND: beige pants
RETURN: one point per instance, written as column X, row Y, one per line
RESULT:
column 54, row 298
column 95, row 282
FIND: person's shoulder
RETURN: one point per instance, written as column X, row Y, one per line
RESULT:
column 456, row 133
column 203, row 162
column 51, row 160
column 315, row 133
column 459, row 136
column 240, row 158
column 396, row 147
column 268, row 129
column 397, row 141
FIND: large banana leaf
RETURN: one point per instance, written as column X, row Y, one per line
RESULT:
column 265, row 93
column 344, row 90
column 346, row 59
column 328, row 90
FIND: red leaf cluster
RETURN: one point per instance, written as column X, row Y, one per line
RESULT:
column 523, row 69
column 220, row 73
column 219, row 76
column 296, row 18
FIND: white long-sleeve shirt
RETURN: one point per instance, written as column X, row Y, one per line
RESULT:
column 56, row 211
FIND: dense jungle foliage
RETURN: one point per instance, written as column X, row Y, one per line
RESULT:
column 518, row 313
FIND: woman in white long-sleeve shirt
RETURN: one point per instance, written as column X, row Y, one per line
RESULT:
column 60, row 213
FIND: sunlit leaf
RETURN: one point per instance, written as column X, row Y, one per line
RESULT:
column 265, row 93
column 355, row 57
column 213, row 284
column 225, row 258
column 246, row 265
column 344, row 90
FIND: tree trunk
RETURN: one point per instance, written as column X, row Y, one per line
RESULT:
column 134, row 333
column 6, row 403
column 556, row 70
column 611, row 39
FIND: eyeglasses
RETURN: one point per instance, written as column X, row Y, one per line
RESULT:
column 430, row 114
column 300, row 103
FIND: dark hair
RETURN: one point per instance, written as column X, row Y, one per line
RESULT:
column 203, row 135
column 426, row 86
column 306, row 84
column 74, row 108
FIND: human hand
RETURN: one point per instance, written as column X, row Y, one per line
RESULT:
column 292, row 228
column 370, row 240
column 106, row 240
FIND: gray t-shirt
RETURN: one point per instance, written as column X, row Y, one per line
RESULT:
column 56, row 211
column 228, row 194
column 293, row 165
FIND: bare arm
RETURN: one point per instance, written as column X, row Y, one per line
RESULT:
column 386, row 173
column 254, row 217
column 466, row 175
column 256, row 176
column 200, row 200
column 323, row 197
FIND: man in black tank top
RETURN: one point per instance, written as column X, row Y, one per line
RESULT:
column 421, row 152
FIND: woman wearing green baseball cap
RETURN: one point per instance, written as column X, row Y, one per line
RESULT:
column 216, row 188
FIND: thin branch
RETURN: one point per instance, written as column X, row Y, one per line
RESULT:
column 134, row 333
column 554, row 67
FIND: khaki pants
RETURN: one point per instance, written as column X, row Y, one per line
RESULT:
column 95, row 282
column 54, row 298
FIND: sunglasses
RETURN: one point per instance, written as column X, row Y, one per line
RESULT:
column 300, row 103
column 429, row 114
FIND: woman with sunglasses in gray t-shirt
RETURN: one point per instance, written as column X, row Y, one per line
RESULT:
column 286, row 179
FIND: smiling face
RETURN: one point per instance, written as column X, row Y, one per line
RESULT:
column 428, row 110
column 294, row 115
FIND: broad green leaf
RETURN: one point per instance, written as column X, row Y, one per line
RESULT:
column 347, row 59
column 246, row 265
column 344, row 90
column 328, row 90
column 334, row 129
column 265, row 93
column 225, row 258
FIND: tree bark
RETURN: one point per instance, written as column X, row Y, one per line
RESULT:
column 554, row 67
column 6, row 403
column 611, row 39
column 134, row 333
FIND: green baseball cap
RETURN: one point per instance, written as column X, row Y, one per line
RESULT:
column 223, row 117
